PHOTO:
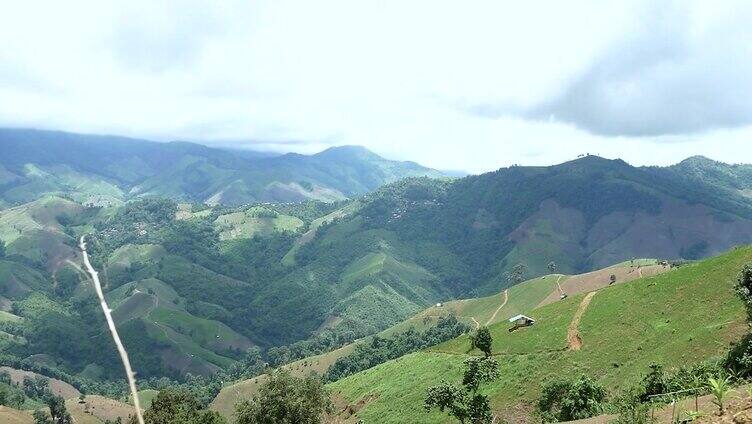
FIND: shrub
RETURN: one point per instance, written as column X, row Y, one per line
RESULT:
column 654, row 383
column 743, row 288
column 568, row 400
column 286, row 399
column 631, row 411
column 482, row 340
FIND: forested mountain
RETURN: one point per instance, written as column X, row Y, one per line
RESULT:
column 106, row 169
column 194, row 286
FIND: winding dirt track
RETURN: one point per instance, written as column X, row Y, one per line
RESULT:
column 111, row 324
column 477, row 324
column 506, row 299
column 559, row 285
column 573, row 333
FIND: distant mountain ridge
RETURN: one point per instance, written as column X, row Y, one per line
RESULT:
column 98, row 169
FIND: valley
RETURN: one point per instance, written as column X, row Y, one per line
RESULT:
column 377, row 288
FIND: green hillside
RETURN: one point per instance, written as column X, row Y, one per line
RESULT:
column 521, row 298
column 194, row 286
column 255, row 221
column 582, row 215
column 680, row 317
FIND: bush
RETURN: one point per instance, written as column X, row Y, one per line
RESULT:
column 568, row 400
column 631, row 411
column 178, row 406
column 654, row 383
column 286, row 399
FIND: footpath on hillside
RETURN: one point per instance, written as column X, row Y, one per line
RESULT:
column 573, row 333
column 496, row 312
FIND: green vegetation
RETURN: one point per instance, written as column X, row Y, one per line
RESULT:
column 719, row 388
column 379, row 350
column 569, row 400
column 465, row 403
column 204, row 295
column 35, row 163
column 625, row 328
column 172, row 406
column 255, row 221
column 58, row 414
column 285, row 399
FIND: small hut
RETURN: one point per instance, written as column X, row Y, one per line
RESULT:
column 520, row 321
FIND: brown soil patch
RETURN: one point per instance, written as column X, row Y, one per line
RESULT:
column 96, row 409
column 345, row 412
column 573, row 333
column 58, row 387
column 14, row 416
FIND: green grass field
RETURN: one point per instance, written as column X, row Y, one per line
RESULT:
column 677, row 318
column 255, row 221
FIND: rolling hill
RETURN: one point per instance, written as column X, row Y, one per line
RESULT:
column 521, row 298
column 193, row 286
column 106, row 170
column 624, row 328
column 582, row 215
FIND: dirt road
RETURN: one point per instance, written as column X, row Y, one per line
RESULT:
column 506, row 299
column 113, row 330
column 573, row 333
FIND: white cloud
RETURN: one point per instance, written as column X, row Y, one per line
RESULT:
column 398, row 77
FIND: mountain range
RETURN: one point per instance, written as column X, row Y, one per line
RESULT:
column 105, row 169
column 206, row 253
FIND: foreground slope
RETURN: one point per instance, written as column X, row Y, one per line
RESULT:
column 521, row 298
column 680, row 317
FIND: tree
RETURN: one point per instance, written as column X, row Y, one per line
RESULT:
column 177, row 406
column 517, row 275
column 41, row 417
column 564, row 400
column 552, row 267
column 743, row 288
column 464, row 402
column 58, row 413
column 482, row 340
column 251, row 365
column 739, row 359
column 654, row 383
column 285, row 399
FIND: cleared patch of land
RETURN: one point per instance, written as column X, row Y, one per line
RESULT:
column 58, row 387
column 14, row 416
column 255, row 221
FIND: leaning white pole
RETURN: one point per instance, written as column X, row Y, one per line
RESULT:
column 111, row 324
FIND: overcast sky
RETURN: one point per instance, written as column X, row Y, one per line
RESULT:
column 466, row 85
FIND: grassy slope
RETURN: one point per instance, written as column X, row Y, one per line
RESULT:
column 163, row 311
column 246, row 224
column 350, row 208
column 522, row 298
column 679, row 317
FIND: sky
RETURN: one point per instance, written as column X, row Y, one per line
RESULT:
column 471, row 85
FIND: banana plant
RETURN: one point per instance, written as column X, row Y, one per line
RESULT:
column 719, row 388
